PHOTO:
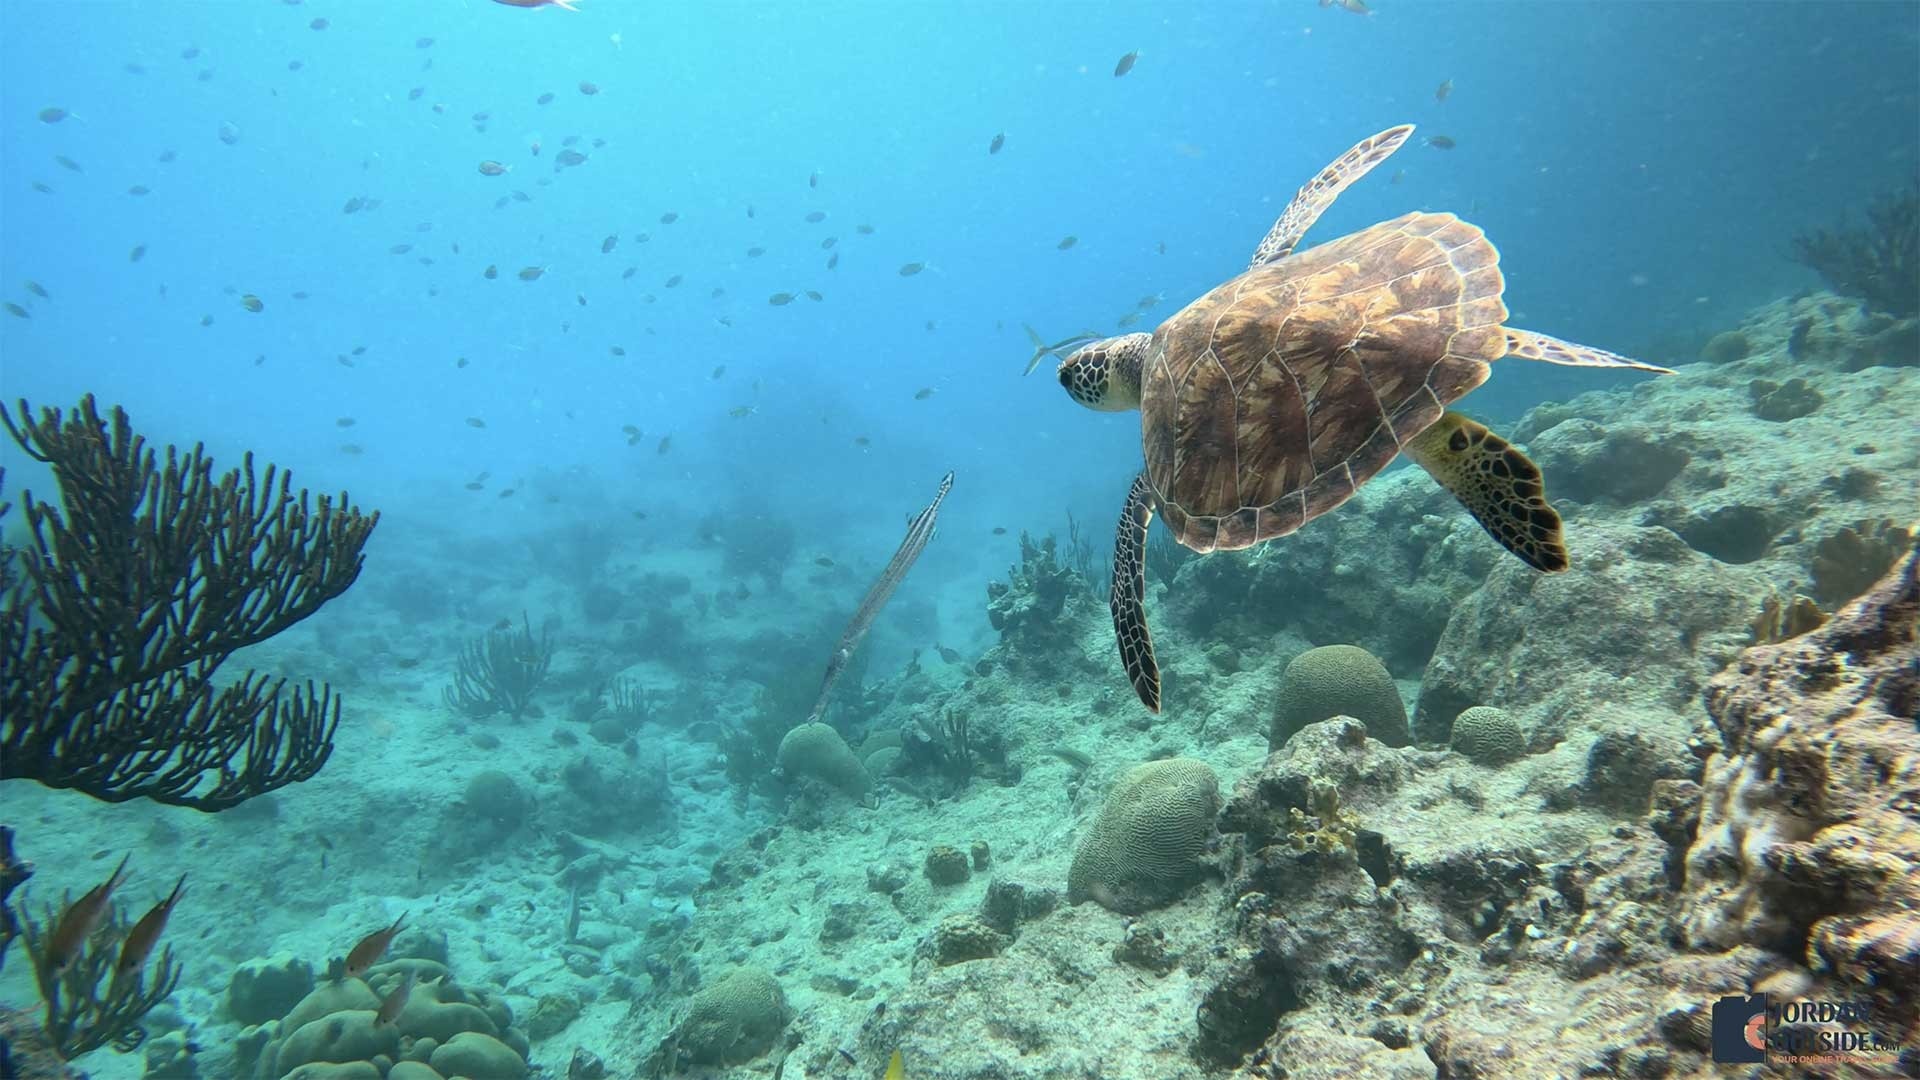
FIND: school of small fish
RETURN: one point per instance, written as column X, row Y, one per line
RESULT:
column 551, row 267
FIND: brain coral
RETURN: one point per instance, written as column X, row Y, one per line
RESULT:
column 1144, row 848
column 734, row 1019
column 1488, row 735
column 818, row 751
column 1338, row 680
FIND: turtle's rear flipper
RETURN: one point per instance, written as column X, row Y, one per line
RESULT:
column 1497, row 484
column 1129, row 588
column 1528, row 345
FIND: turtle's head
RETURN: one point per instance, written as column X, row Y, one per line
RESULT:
column 1105, row 375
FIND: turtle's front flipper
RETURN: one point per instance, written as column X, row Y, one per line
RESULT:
column 1497, row 484
column 1531, row 346
column 1312, row 200
column 1129, row 589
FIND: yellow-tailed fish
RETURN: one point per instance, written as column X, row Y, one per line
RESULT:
column 80, row 920
column 896, row 1069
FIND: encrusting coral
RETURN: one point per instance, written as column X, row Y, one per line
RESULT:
column 335, row 1033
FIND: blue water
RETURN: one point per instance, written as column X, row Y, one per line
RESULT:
column 1641, row 167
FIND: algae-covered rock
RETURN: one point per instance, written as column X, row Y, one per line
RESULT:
column 1143, row 849
column 267, row 988
column 1488, row 736
column 551, row 1015
column 817, row 751
column 734, row 1019
column 472, row 1054
column 1338, row 680
column 946, row 865
column 959, row 938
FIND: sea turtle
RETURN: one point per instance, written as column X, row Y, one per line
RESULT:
column 1270, row 400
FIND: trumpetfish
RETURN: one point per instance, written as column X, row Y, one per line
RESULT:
column 919, row 531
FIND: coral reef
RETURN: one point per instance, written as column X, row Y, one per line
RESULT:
column 1144, row 847
column 1488, row 735
column 1026, row 608
column 112, row 691
column 735, row 1019
column 499, row 673
column 1807, row 839
column 445, row 1030
column 1338, row 680
column 1878, row 263
column 817, row 752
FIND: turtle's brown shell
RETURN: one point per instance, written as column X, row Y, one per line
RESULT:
column 1268, row 401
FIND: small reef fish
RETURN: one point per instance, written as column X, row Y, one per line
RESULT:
column 951, row 656
column 252, row 303
column 833, row 260
column 896, row 1068
column 863, row 230
column 532, row 273
column 345, row 421
column 1066, row 243
column 80, row 920
column 1126, row 62
column 999, row 141
column 1441, row 142
column 38, row 290
column 589, row 88
column 814, row 296
column 666, row 444
column 494, row 168
column 490, row 272
column 669, row 217
column 755, row 252
column 740, row 411
column 912, row 268
column 396, row 1001
column 144, row 935
column 1445, row 89
column 815, row 217
column 475, row 422
column 781, row 299
column 823, row 562
column 1358, row 7
column 53, row 115
column 999, row 530
column 374, row 945
column 566, row 5
column 719, row 372
column 17, row 311
column 924, row 392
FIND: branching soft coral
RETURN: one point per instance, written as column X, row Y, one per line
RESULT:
column 1880, row 263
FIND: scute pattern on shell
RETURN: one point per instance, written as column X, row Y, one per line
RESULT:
column 1266, row 402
